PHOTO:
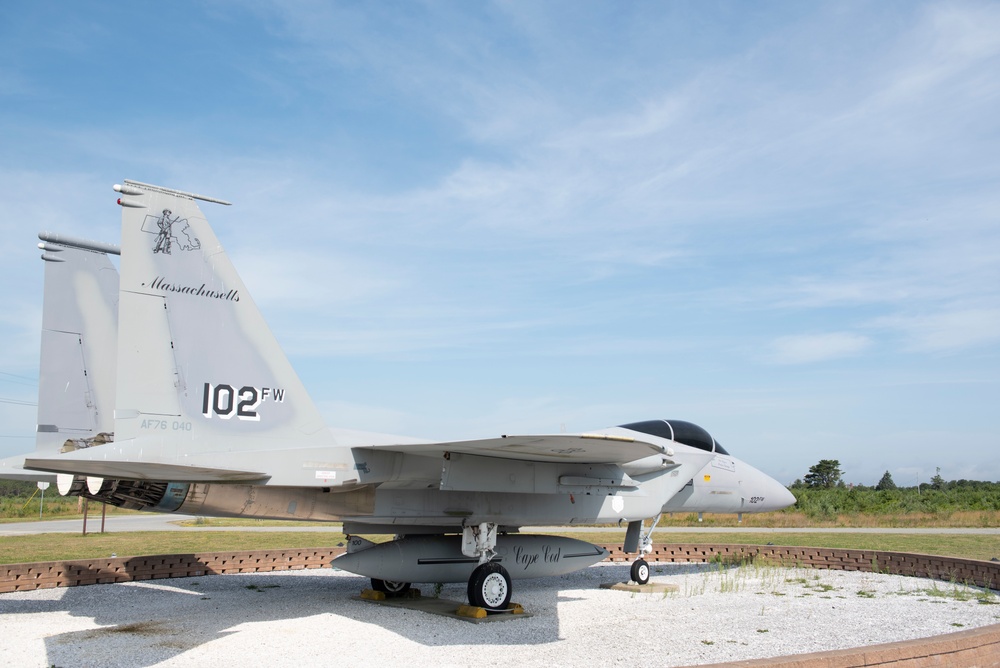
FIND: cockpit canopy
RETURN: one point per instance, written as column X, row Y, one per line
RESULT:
column 677, row 430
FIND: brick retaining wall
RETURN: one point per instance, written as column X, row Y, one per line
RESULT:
column 46, row 574
column 976, row 647
column 951, row 569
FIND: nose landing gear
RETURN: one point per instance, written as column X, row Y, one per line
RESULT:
column 640, row 571
column 637, row 540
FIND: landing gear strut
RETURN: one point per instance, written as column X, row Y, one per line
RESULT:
column 489, row 585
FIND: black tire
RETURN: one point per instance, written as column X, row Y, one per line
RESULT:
column 489, row 587
column 640, row 571
column 389, row 588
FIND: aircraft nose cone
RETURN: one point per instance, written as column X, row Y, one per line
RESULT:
column 776, row 495
column 783, row 497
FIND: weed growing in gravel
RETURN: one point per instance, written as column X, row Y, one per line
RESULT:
column 958, row 592
column 864, row 593
column 261, row 588
column 729, row 585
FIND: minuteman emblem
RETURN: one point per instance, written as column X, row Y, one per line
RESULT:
column 172, row 232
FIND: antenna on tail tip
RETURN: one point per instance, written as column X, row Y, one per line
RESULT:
column 139, row 188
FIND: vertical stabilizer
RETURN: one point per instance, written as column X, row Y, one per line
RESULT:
column 76, row 384
column 199, row 371
column 76, row 379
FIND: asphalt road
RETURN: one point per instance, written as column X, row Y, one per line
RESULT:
column 157, row 522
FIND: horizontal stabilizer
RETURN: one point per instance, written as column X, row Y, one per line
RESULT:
column 576, row 448
column 123, row 470
column 11, row 469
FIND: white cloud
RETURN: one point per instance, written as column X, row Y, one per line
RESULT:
column 946, row 331
column 808, row 348
column 297, row 278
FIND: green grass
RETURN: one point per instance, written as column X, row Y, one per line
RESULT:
column 55, row 507
column 53, row 547
column 244, row 522
column 983, row 547
column 57, row 547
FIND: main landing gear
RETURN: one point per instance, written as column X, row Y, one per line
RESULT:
column 637, row 540
column 489, row 585
column 391, row 589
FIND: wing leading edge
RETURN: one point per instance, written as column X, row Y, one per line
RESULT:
column 571, row 448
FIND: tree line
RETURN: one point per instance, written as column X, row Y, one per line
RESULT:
column 822, row 493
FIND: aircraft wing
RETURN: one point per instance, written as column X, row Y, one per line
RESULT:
column 310, row 467
column 142, row 470
column 575, row 448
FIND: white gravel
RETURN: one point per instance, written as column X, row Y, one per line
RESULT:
column 308, row 618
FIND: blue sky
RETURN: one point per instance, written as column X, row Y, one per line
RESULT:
column 778, row 220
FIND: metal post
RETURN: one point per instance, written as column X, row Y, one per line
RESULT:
column 104, row 513
column 85, row 506
column 42, row 485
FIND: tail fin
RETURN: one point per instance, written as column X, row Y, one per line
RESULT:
column 76, row 384
column 199, row 370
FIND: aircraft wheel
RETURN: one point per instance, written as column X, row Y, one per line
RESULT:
column 389, row 588
column 640, row 571
column 489, row 587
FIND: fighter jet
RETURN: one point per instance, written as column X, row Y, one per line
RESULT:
column 211, row 419
column 76, row 386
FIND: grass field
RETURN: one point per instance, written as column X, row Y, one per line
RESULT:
column 54, row 547
column 778, row 520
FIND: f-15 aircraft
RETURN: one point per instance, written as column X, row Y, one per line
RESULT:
column 211, row 419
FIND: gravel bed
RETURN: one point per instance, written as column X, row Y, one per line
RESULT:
column 307, row 618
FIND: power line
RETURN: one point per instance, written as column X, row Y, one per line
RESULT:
column 17, row 402
column 19, row 380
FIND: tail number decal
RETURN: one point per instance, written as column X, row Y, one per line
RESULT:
column 226, row 401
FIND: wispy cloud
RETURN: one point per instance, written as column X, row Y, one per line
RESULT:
column 946, row 331
column 809, row 348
